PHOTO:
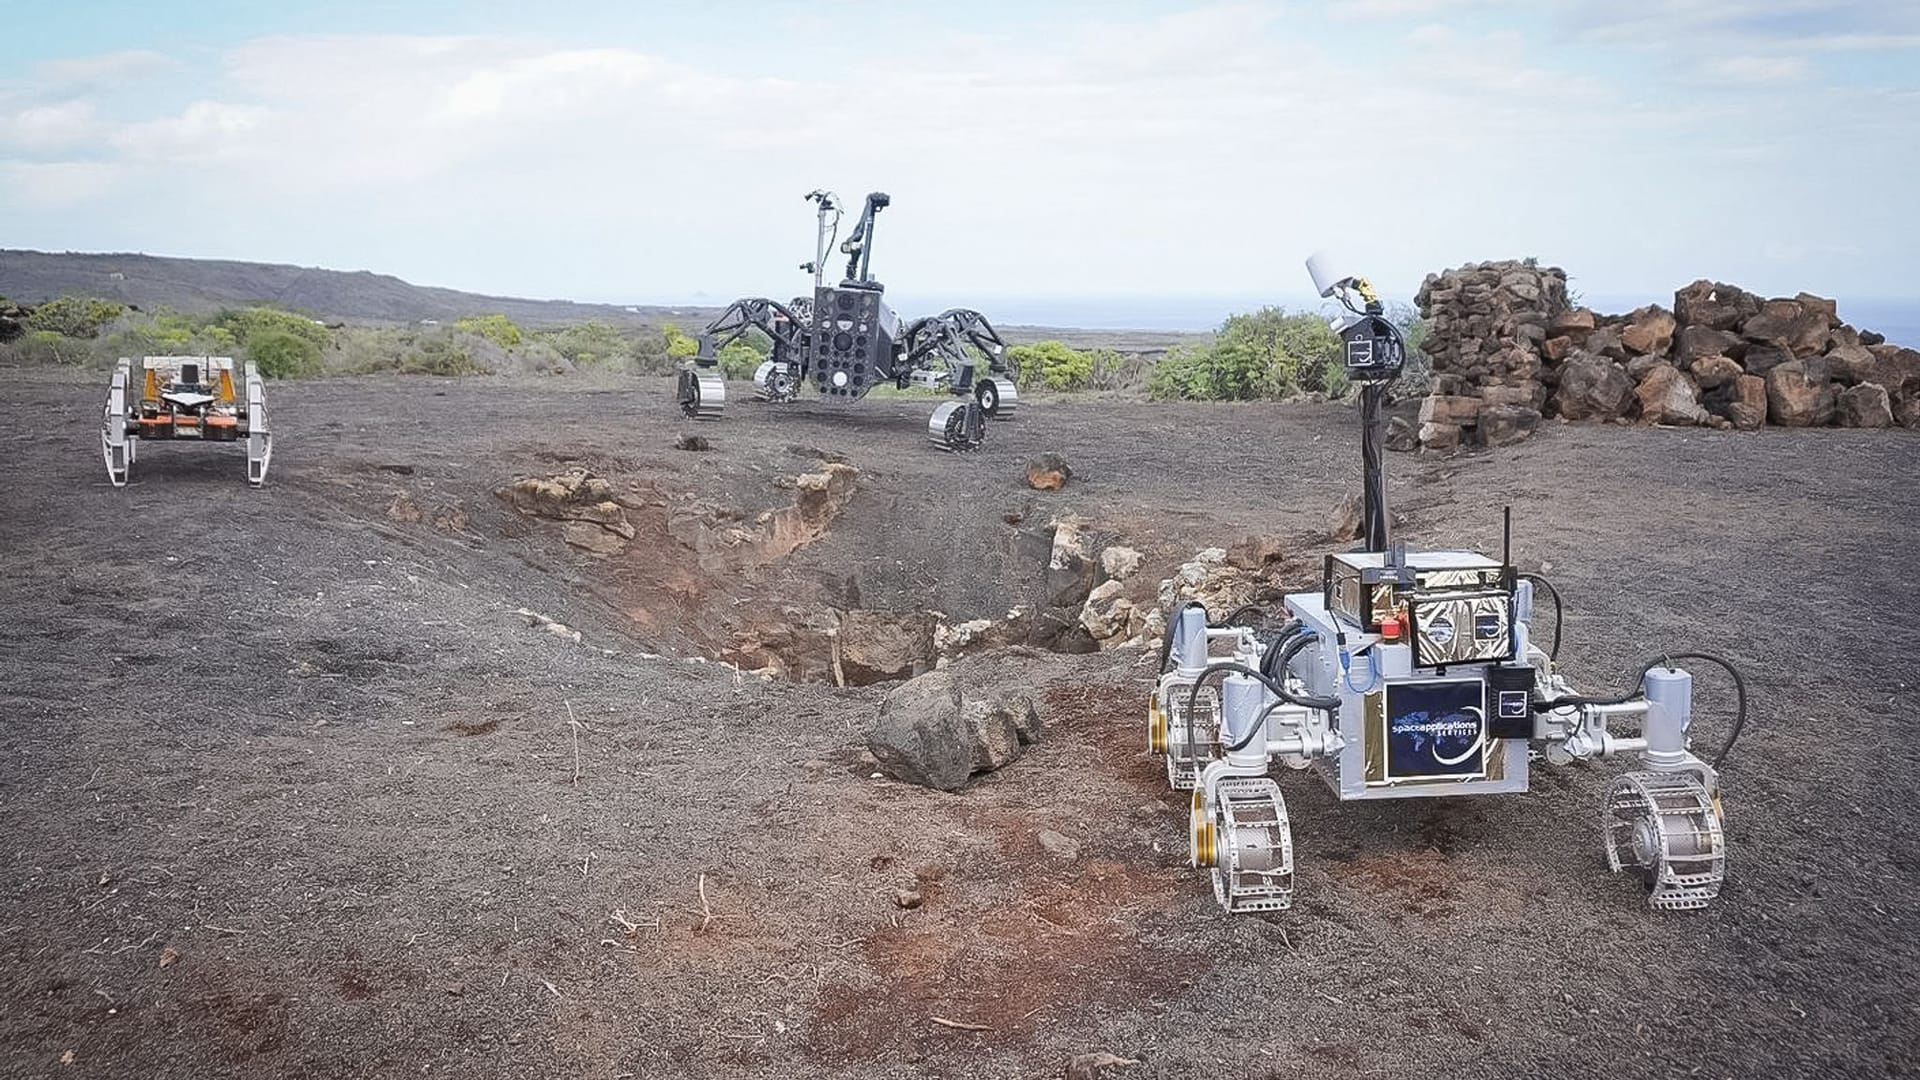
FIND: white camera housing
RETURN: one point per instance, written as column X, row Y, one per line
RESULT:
column 1327, row 276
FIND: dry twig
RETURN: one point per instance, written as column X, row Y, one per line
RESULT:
column 574, row 725
column 958, row 1025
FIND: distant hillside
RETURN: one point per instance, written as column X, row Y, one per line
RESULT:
column 200, row 285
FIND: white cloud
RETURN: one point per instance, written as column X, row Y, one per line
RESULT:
column 204, row 131
column 1756, row 69
column 39, row 128
column 1203, row 151
column 56, row 185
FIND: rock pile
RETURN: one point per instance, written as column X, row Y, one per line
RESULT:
column 13, row 321
column 1508, row 350
column 593, row 520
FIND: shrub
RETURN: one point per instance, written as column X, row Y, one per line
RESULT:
column 283, row 355
column 49, row 347
column 1052, row 364
column 245, row 323
column 588, row 344
column 679, row 345
column 1262, row 354
column 495, row 328
column 740, row 360
column 74, row 316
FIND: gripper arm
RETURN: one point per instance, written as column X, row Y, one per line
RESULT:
column 770, row 317
column 858, row 246
column 947, row 336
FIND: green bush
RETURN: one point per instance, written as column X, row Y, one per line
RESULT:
column 740, row 360
column 74, row 316
column 589, row 344
column 1262, row 354
column 50, row 347
column 679, row 345
column 245, row 323
column 1052, row 364
column 283, row 355
column 495, row 328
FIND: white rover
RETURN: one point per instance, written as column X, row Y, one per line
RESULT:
column 1409, row 675
column 185, row 397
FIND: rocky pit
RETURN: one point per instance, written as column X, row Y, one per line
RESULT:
column 720, row 580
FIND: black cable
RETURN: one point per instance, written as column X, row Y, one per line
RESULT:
column 1666, row 660
column 1173, row 621
column 1559, row 614
column 1739, row 694
column 1193, row 694
column 1286, row 631
column 1233, row 617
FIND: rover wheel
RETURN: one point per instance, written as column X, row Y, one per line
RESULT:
column 1192, row 734
column 1664, row 829
column 1252, row 842
column 703, row 394
column 773, row 382
column 948, row 428
column 998, row 398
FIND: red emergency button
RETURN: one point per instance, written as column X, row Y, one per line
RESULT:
column 1390, row 628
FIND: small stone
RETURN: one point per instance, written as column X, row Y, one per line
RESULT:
column 1119, row 563
column 1440, row 436
column 1255, row 552
column 1449, row 409
column 1048, row 472
column 907, row 899
column 169, row 956
column 1059, row 845
column 1401, row 436
column 693, row 442
column 1503, row 425
column 1346, row 521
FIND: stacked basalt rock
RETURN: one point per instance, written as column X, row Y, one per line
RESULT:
column 1488, row 329
column 1722, row 357
column 13, row 321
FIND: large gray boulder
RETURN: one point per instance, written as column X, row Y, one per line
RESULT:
column 1864, row 406
column 1799, row 327
column 1715, row 305
column 944, row 727
column 879, row 646
column 1667, row 396
column 1592, row 388
column 1800, row 395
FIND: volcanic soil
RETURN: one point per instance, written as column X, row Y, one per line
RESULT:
column 292, row 786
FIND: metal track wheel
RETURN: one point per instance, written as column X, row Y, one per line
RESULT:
column 115, row 444
column 1193, row 735
column 1156, row 726
column 773, row 382
column 703, row 394
column 1663, row 828
column 998, row 398
column 1252, row 842
column 955, row 427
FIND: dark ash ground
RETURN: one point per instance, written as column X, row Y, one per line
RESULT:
column 289, row 789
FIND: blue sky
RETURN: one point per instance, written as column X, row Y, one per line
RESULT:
column 658, row 151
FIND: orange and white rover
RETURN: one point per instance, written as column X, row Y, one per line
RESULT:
column 185, row 397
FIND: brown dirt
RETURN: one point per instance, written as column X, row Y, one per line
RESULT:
column 308, row 745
